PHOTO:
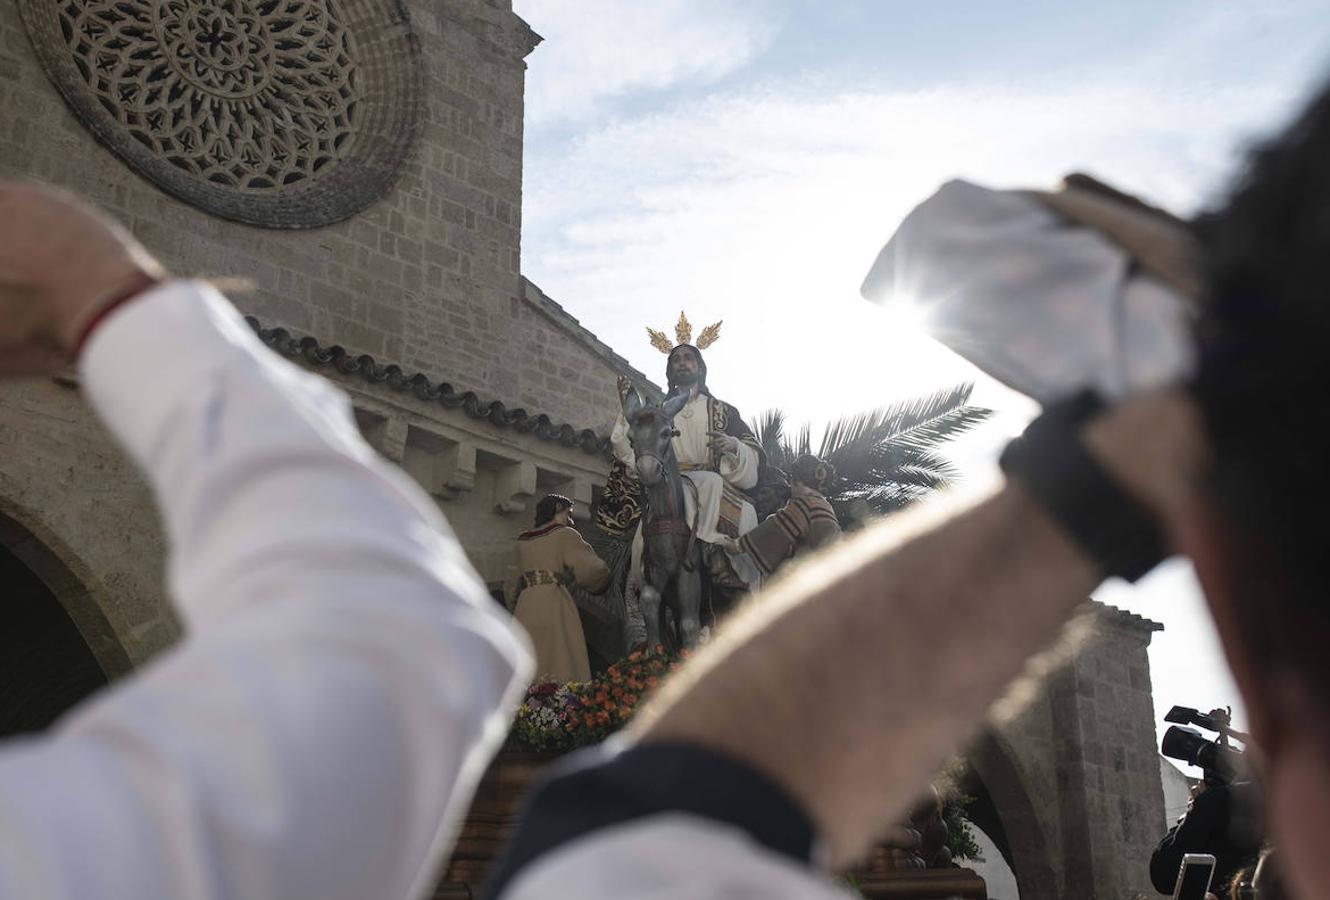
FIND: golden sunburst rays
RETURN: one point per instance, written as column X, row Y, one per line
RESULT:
column 683, row 329
column 660, row 341
column 683, row 334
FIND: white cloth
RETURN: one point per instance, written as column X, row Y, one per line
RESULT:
column 669, row 857
column 1043, row 305
column 344, row 678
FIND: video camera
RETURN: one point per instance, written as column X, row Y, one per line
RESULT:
column 1220, row 761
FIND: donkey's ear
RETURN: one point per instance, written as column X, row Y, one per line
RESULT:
column 671, row 407
column 632, row 403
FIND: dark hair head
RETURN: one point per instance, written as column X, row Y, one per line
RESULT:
column 817, row 473
column 701, row 366
column 1264, row 340
column 549, row 506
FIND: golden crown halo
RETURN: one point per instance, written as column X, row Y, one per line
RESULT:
column 683, row 334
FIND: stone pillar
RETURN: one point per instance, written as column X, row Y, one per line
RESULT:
column 1109, row 797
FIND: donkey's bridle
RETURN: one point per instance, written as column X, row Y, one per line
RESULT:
column 675, row 523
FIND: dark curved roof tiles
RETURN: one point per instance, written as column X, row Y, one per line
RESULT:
column 1124, row 617
column 418, row 385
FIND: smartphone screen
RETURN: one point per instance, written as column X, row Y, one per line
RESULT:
column 1194, row 876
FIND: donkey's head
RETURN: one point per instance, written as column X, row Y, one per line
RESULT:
column 650, row 428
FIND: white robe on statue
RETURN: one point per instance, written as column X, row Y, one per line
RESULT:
column 692, row 448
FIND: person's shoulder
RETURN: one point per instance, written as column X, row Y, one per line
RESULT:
column 729, row 407
column 544, row 531
column 730, row 411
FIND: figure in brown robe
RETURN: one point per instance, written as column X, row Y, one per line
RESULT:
column 549, row 556
column 805, row 523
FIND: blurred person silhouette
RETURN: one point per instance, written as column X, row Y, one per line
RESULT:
column 344, row 677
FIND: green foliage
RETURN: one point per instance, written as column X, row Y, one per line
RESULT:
column 849, row 884
column 885, row 458
column 960, row 833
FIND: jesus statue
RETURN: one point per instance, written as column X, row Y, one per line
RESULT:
column 716, row 452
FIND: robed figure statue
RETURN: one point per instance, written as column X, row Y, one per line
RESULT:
column 726, row 470
column 551, row 557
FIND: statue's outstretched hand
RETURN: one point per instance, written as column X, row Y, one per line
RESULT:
column 60, row 263
column 724, row 443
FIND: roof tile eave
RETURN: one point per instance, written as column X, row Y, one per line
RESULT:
column 309, row 350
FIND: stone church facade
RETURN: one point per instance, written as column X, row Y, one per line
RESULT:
column 482, row 387
column 359, row 163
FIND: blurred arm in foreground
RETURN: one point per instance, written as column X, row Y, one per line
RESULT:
column 821, row 711
column 795, row 724
column 344, row 676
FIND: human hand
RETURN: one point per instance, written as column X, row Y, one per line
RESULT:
column 723, row 443
column 60, row 263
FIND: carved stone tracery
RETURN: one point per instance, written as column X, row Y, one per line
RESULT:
column 288, row 113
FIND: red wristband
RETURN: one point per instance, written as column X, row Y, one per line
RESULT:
column 141, row 283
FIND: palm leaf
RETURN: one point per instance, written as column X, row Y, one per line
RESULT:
column 885, row 458
column 769, row 429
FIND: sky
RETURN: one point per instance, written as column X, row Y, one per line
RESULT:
column 744, row 161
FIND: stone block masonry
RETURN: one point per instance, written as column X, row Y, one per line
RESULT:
column 426, row 278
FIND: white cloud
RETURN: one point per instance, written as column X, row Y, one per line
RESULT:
column 600, row 50
column 766, row 208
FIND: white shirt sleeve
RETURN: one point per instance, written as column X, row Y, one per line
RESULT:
column 344, row 678
column 669, row 857
column 740, row 468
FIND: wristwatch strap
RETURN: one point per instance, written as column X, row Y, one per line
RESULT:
column 1052, row 463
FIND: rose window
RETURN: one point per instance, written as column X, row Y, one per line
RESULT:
column 287, row 113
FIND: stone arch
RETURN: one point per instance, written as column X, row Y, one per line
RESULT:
column 1011, row 818
column 66, row 579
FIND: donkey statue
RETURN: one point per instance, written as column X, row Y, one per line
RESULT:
column 671, row 557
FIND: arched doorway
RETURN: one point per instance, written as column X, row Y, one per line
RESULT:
column 1003, row 810
column 45, row 665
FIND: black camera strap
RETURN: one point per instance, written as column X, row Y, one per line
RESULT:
column 1052, row 463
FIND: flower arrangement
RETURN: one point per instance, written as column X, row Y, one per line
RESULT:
column 558, row 718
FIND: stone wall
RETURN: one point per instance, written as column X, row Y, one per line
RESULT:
column 1075, row 776
column 426, row 278
column 78, row 498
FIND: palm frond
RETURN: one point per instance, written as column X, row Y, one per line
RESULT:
column 930, row 419
column 885, row 458
column 769, row 429
column 802, row 444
